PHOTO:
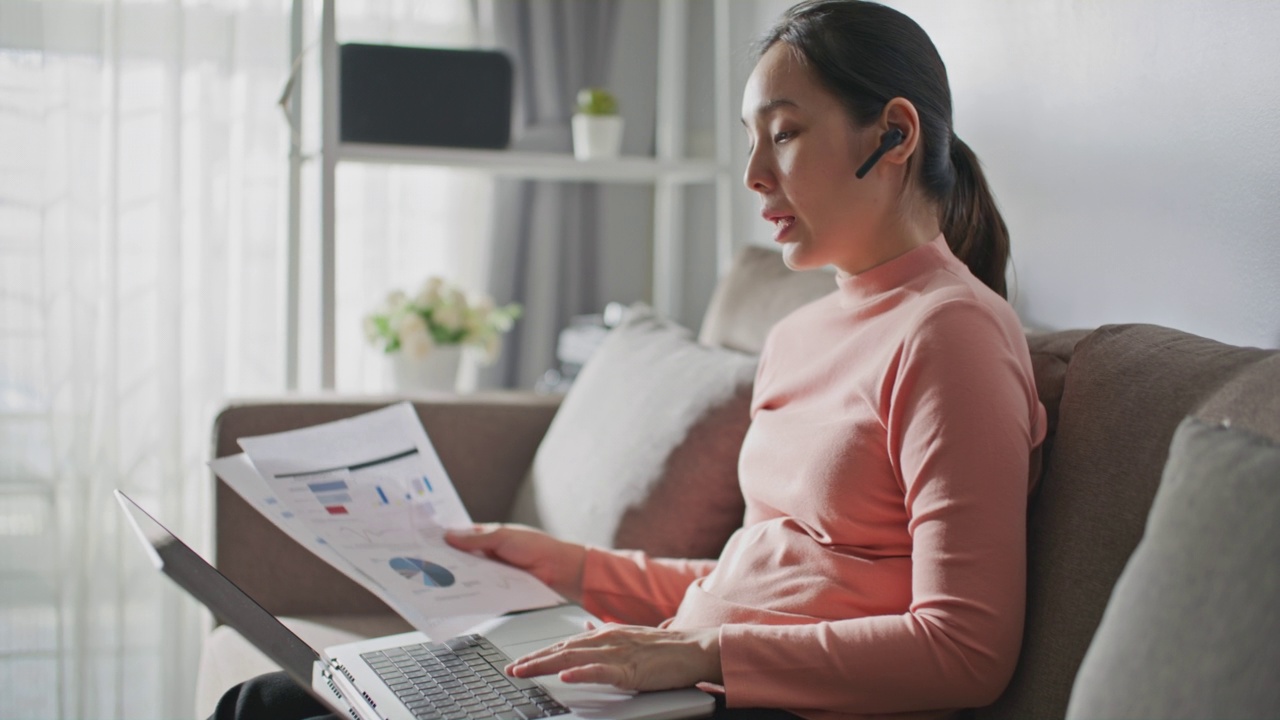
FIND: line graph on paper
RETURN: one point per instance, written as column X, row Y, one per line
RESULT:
column 368, row 535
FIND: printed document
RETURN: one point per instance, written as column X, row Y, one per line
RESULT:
column 369, row 496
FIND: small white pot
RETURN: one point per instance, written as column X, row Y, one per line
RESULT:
column 597, row 136
column 437, row 372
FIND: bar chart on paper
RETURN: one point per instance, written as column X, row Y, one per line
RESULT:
column 393, row 489
column 418, row 487
column 332, row 496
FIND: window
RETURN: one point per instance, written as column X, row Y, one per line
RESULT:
column 143, row 180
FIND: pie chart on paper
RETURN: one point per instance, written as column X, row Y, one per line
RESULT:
column 428, row 573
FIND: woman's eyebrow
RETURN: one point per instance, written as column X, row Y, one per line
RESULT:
column 771, row 106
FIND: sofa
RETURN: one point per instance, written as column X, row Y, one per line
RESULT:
column 1153, row 573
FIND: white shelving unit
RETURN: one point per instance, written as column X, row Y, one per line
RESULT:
column 535, row 166
column 669, row 172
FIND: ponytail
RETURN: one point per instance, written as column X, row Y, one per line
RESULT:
column 971, row 222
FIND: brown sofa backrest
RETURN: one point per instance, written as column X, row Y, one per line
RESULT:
column 1126, row 389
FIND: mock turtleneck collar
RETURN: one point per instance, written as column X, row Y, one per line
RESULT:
column 886, row 276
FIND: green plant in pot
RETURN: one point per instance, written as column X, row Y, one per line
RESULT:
column 597, row 127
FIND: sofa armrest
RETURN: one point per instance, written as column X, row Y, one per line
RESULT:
column 486, row 442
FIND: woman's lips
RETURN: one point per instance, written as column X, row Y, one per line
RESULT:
column 782, row 225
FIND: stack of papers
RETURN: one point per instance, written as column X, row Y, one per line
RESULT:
column 369, row 496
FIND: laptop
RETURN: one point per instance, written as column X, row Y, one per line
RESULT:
column 408, row 676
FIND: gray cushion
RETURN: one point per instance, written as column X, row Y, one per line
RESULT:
column 643, row 452
column 1126, row 389
column 1251, row 400
column 1191, row 630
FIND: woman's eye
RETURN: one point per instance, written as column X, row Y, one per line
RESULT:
column 778, row 138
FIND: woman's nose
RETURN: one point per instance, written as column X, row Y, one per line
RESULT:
column 758, row 176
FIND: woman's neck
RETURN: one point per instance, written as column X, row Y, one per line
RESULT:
column 898, row 234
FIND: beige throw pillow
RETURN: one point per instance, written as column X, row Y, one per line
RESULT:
column 643, row 452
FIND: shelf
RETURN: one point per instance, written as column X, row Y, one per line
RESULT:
column 539, row 166
column 667, row 171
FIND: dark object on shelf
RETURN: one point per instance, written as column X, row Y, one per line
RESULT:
column 424, row 96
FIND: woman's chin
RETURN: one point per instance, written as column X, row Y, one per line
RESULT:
column 794, row 256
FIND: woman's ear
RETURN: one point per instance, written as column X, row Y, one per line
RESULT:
column 899, row 114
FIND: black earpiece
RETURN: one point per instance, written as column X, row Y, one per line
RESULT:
column 888, row 141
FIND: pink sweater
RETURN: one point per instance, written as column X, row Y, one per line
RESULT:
column 881, row 565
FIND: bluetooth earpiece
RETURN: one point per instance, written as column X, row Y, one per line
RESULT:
column 888, row 141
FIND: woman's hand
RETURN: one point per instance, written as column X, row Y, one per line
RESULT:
column 629, row 656
column 557, row 563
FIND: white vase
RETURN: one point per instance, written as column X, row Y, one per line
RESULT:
column 596, row 136
column 437, row 372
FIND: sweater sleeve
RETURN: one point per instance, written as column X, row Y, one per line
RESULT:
column 628, row 586
column 962, row 418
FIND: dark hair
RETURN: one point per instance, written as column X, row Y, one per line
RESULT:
column 867, row 54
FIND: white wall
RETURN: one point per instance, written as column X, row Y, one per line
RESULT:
column 1134, row 148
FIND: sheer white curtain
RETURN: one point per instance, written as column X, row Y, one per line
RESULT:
column 141, row 193
column 142, row 275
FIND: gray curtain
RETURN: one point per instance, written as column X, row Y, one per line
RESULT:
column 545, row 247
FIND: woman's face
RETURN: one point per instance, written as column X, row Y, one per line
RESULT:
column 804, row 152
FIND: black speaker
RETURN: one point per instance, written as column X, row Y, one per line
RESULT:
column 424, row 96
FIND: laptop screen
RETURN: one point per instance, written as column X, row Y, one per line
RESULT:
column 227, row 602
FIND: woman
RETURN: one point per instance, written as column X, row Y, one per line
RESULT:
column 894, row 429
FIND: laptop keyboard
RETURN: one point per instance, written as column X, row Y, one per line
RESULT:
column 460, row 678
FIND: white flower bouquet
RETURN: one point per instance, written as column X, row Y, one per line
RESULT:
column 440, row 314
